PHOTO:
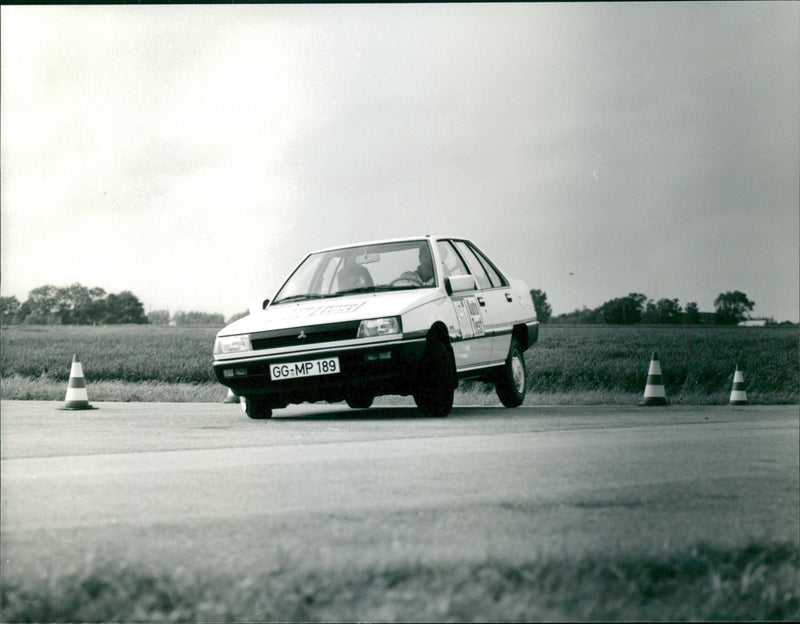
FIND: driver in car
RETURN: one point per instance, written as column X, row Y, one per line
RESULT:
column 423, row 275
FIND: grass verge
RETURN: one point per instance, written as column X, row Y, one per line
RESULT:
column 18, row 388
column 44, row 388
column 754, row 583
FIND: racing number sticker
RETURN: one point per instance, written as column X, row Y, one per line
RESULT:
column 470, row 321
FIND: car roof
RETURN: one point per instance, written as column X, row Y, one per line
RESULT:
column 389, row 240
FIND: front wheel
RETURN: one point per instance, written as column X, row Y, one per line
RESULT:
column 257, row 409
column 436, row 385
column 512, row 380
column 359, row 401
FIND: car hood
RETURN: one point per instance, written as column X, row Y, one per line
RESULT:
column 332, row 310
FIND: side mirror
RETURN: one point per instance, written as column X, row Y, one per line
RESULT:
column 459, row 283
column 257, row 305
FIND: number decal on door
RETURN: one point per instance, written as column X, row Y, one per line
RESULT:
column 470, row 321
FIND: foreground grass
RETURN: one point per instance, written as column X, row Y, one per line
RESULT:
column 754, row 583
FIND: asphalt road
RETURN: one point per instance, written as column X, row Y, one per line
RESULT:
column 202, row 487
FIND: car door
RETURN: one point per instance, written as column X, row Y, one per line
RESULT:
column 494, row 298
column 473, row 347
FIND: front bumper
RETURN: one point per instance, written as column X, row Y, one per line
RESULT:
column 370, row 370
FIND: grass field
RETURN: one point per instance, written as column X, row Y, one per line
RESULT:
column 754, row 583
column 584, row 364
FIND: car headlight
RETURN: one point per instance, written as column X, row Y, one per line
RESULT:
column 232, row 344
column 380, row 327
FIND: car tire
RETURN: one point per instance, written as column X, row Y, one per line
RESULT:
column 257, row 409
column 512, row 379
column 357, row 401
column 436, row 384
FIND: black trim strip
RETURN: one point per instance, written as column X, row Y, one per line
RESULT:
column 501, row 332
column 422, row 333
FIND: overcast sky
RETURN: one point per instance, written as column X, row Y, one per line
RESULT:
column 194, row 154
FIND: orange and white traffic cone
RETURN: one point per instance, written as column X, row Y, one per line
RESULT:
column 654, row 393
column 77, row 397
column 738, row 394
column 230, row 397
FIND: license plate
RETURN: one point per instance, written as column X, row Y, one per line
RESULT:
column 309, row 368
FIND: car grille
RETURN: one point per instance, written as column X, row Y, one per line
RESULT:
column 298, row 336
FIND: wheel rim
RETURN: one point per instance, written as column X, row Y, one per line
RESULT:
column 518, row 373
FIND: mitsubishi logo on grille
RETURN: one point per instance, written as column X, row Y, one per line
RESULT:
column 301, row 335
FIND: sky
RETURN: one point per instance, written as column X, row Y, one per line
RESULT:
column 193, row 155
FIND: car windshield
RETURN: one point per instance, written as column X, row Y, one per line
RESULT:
column 369, row 268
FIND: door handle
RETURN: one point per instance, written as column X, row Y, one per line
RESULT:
column 482, row 302
column 509, row 298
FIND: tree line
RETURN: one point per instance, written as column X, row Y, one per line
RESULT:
column 79, row 305
column 731, row 307
column 193, row 317
column 72, row 305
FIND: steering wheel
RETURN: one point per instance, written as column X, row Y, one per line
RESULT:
column 406, row 280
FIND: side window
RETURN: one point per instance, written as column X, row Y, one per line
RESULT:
column 495, row 277
column 475, row 266
column 451, row 262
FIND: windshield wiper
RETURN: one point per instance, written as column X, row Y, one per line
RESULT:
column 305, row 297
column 369, row 289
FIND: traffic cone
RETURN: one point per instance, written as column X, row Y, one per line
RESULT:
column 738, row 394
column 77, row 398
column 231, row 397
column 654, row 393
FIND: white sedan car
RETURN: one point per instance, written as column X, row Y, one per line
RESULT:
column 407, row 316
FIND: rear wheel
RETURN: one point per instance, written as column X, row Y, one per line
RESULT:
column 512, row 380
column 436, row 385
column 358, row 401
column 257, row 409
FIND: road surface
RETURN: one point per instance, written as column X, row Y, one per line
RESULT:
column 202, row 487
